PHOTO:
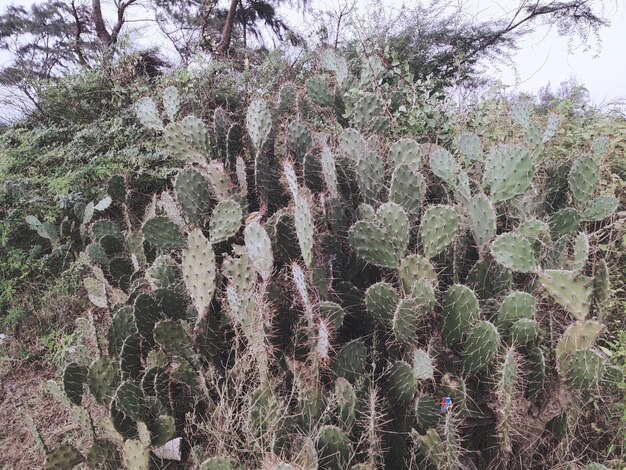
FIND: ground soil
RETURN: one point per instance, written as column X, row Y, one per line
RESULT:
column 23, row 392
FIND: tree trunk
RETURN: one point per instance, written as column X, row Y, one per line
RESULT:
column 98, row 20
column 224, row 45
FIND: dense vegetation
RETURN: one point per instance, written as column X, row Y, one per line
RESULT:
column 288, row 265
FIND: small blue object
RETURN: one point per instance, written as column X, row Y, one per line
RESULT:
column 446, row 403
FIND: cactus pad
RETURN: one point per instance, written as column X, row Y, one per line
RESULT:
column 163, row 233
column 585, row 369
column 459, row 313
column 405, row 152
column 199, row 270
column 481, row 347
column 515, row 306
column 583, row 179
column 259, row 122
column 402, row 383
column 439, row 228
column 570, row 291
column 514, row 253
column 333, row 447
column 511, row 174
column 408, row 189
column 481, row 219
column 381, row 300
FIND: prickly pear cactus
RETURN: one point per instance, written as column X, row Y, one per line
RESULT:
column 344, row 298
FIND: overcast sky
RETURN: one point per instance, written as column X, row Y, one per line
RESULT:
column 543, row 56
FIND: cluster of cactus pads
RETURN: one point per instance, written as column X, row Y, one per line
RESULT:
column 311, row 285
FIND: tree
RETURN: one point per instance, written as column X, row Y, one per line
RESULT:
column 446, row 43
column 247, row 14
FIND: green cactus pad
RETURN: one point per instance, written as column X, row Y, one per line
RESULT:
column 520, row 112
column 370, row 174
column 177, row 140
column 329, row 172
column 129, row 400
column 239, row 272
column 514, row 253
column 525, row 331
column 112, row 246
column 408, row 189
column 298, row 140
column 196, row 136
column 317, row 90
column 63, row 458
column 259, row 122
column 286, row 98
column 481, row 347
column 346, row 401
column 351, row 144
column 381, row 300
column 74, row 378
column 565, row 221
column 164, row 273
column 173, row 338
column 171, row 102
column 459, row 312
column 393, row 219
column 366, row 212
column 104, row 455
column 305, row 229
column 148, row 114
column 116, row 188
column 136, row 455
column 199, row 270
column 192, row 193
column 427, row 412
column 585, row 369
column 537, row 374
column 163, row 233
column 225, row 221
column 443, row 166
column 162, row 430
column 600, row 208
column 333, row 312
column 583, row 179
column 219, row 463
column 515, row 306
column 511, row 174
column 259, row 247
column 402, row 383
column 470, row 147
column 439, row 228
column 405, row 152
column 334, row 448
column 569, row 290
column 96, row 253
column 101, row 228
column 221, row 126
column 481, row 219
column 145, row 314
column 371, row 243
column 415, row 268
column 103, row 379
column 579, row 335
column 122, row 325
column 351, row 361
column 404, row 323
column 366, row 110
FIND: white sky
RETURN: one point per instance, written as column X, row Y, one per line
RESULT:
column 543, row 57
